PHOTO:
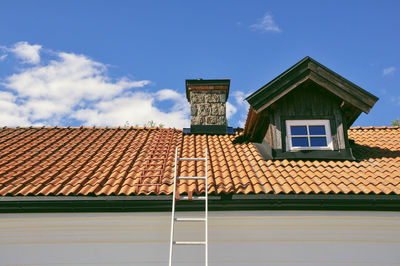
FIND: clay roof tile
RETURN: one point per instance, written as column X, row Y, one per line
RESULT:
column 119, row 161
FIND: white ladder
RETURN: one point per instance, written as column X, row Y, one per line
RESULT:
column 203, row 219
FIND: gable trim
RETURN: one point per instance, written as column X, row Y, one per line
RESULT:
column 306, row 69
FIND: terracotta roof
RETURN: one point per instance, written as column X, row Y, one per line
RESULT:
column 140, row 161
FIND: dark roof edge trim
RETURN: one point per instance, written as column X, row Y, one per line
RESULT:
column 316, row 197
column 344, row 79
column 216, row 203
column 210, row 197
column 277, row 78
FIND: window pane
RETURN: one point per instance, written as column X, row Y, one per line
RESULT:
column 318, row 142
column 317, row 130
column 299, row 142
column 298, row 130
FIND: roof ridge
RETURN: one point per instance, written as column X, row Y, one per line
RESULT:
column 374, row 127
column 164, row 128
column 175, row 129
column 94, row 127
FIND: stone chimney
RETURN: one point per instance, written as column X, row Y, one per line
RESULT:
column 207, row 100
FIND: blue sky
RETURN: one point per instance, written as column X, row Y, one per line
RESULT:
column 110, row 63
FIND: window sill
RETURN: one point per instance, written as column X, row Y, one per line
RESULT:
column 307, row 149
column 345, row 154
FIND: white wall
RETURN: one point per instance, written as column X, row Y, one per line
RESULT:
column 236, row 238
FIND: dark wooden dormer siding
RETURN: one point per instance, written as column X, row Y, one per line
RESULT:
column 307, row 102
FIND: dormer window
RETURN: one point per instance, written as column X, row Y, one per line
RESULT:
column 308, row 135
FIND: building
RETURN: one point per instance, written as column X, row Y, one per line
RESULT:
column 297, row 152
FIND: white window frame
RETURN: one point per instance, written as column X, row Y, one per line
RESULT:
column 307, row 123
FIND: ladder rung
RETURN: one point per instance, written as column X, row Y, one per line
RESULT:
column 190, row 177
column 191, row 159
column 193, row 198
column 190, row 219
column 189, row 242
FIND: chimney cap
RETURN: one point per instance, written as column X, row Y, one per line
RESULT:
column 222, row 84
column 201, row 81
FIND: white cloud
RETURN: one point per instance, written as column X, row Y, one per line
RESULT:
column 242, row 106
column 388, row 71
column 240, row 98
column 241, row 123
column 72, row 86
column 2, row 57
column 69, row 79
column 10, row 113
column 230, row 110
column 26, row 52
column 180, row 102
column 266, row 24
column 137, row 108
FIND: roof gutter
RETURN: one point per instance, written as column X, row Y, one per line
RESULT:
column 216, row 203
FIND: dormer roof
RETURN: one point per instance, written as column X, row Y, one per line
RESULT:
column 355, row 99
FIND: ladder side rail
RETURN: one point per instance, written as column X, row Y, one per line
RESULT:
column 206, row 209
column 173, row 210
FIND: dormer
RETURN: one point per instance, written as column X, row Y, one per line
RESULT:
column 304, row 113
